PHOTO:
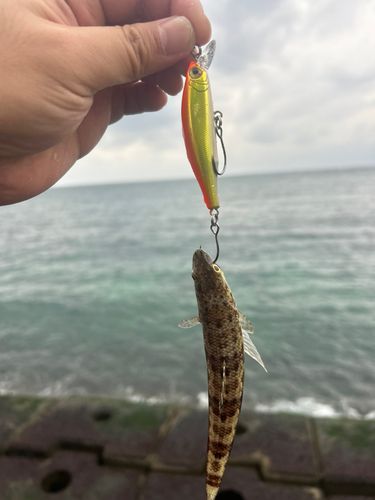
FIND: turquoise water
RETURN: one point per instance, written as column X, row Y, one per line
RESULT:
column 94, row 280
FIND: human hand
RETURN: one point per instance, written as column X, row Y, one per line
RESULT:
column 69, row 68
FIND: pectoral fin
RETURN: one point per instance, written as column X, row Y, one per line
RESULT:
column 188, row 323
column 245, row 323
column 250, row 348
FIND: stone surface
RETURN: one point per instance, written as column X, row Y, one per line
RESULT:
column 186, row 443
column 119, row 428
column 174, row 487
column 67, row 476
column 238, row 484
column 15, row 411
column 282, row 440
column 96, row 449
column 347, row 449
column 340, row 497
column 246, row 483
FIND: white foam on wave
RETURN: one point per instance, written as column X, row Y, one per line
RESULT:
column 200, row 402
column 60, row 389
column 135, row 397
column 6, row 388
column 307, row 406
column 313, row 408
column 370, row 415
column 202, row 399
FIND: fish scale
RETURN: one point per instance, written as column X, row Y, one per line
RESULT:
column 225, row 369
column 225, row 341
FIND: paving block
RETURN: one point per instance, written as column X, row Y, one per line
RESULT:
column 283, row 440
column 67, row 476
column 340, row 497
column 16, row 411
column 118, row 428
column 238, row 484
column 244, row 483
column 186, row 444
column 162, row 486
column 347, row 450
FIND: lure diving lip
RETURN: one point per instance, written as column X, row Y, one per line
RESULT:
column 198, row 124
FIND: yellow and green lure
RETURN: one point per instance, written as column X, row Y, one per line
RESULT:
column 201, row 125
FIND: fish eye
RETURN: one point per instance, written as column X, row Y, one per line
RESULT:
column 193, row 277
column 216, row 268
column 195, row 72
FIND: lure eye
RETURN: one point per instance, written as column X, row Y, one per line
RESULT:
column 195, row 72
column 216, row 268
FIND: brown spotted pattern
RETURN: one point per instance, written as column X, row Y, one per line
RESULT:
column 225, row 363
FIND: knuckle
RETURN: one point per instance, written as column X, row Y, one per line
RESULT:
column 137, row 51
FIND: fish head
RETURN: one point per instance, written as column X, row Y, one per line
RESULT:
column 197, row 77
column 206, row 274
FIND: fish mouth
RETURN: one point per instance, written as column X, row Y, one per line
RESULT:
column 202, row 259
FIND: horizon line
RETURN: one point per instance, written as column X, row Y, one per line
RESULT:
column 235, row 174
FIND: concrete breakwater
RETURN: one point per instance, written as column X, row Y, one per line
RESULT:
column 95, row 448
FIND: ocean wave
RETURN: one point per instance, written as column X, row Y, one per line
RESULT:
column 133, row 396
column 308, row 406
column 311, row 407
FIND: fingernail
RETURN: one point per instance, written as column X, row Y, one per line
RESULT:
column 176, row 35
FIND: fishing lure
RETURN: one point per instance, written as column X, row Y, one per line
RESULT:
column 201, row 125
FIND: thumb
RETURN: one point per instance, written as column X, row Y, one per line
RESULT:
column 106, row 56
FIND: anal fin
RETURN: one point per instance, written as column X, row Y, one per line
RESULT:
column 250, row 348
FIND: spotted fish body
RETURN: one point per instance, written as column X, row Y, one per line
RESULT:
column 225, row 332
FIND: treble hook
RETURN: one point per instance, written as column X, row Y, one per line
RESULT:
column 218, row 118
column 215, row 228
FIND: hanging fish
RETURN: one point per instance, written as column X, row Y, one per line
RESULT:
column 226, row 338
column 201, row 124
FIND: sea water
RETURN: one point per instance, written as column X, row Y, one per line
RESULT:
column 94, row 280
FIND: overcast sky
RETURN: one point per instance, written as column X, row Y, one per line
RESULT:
column 295, row 80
